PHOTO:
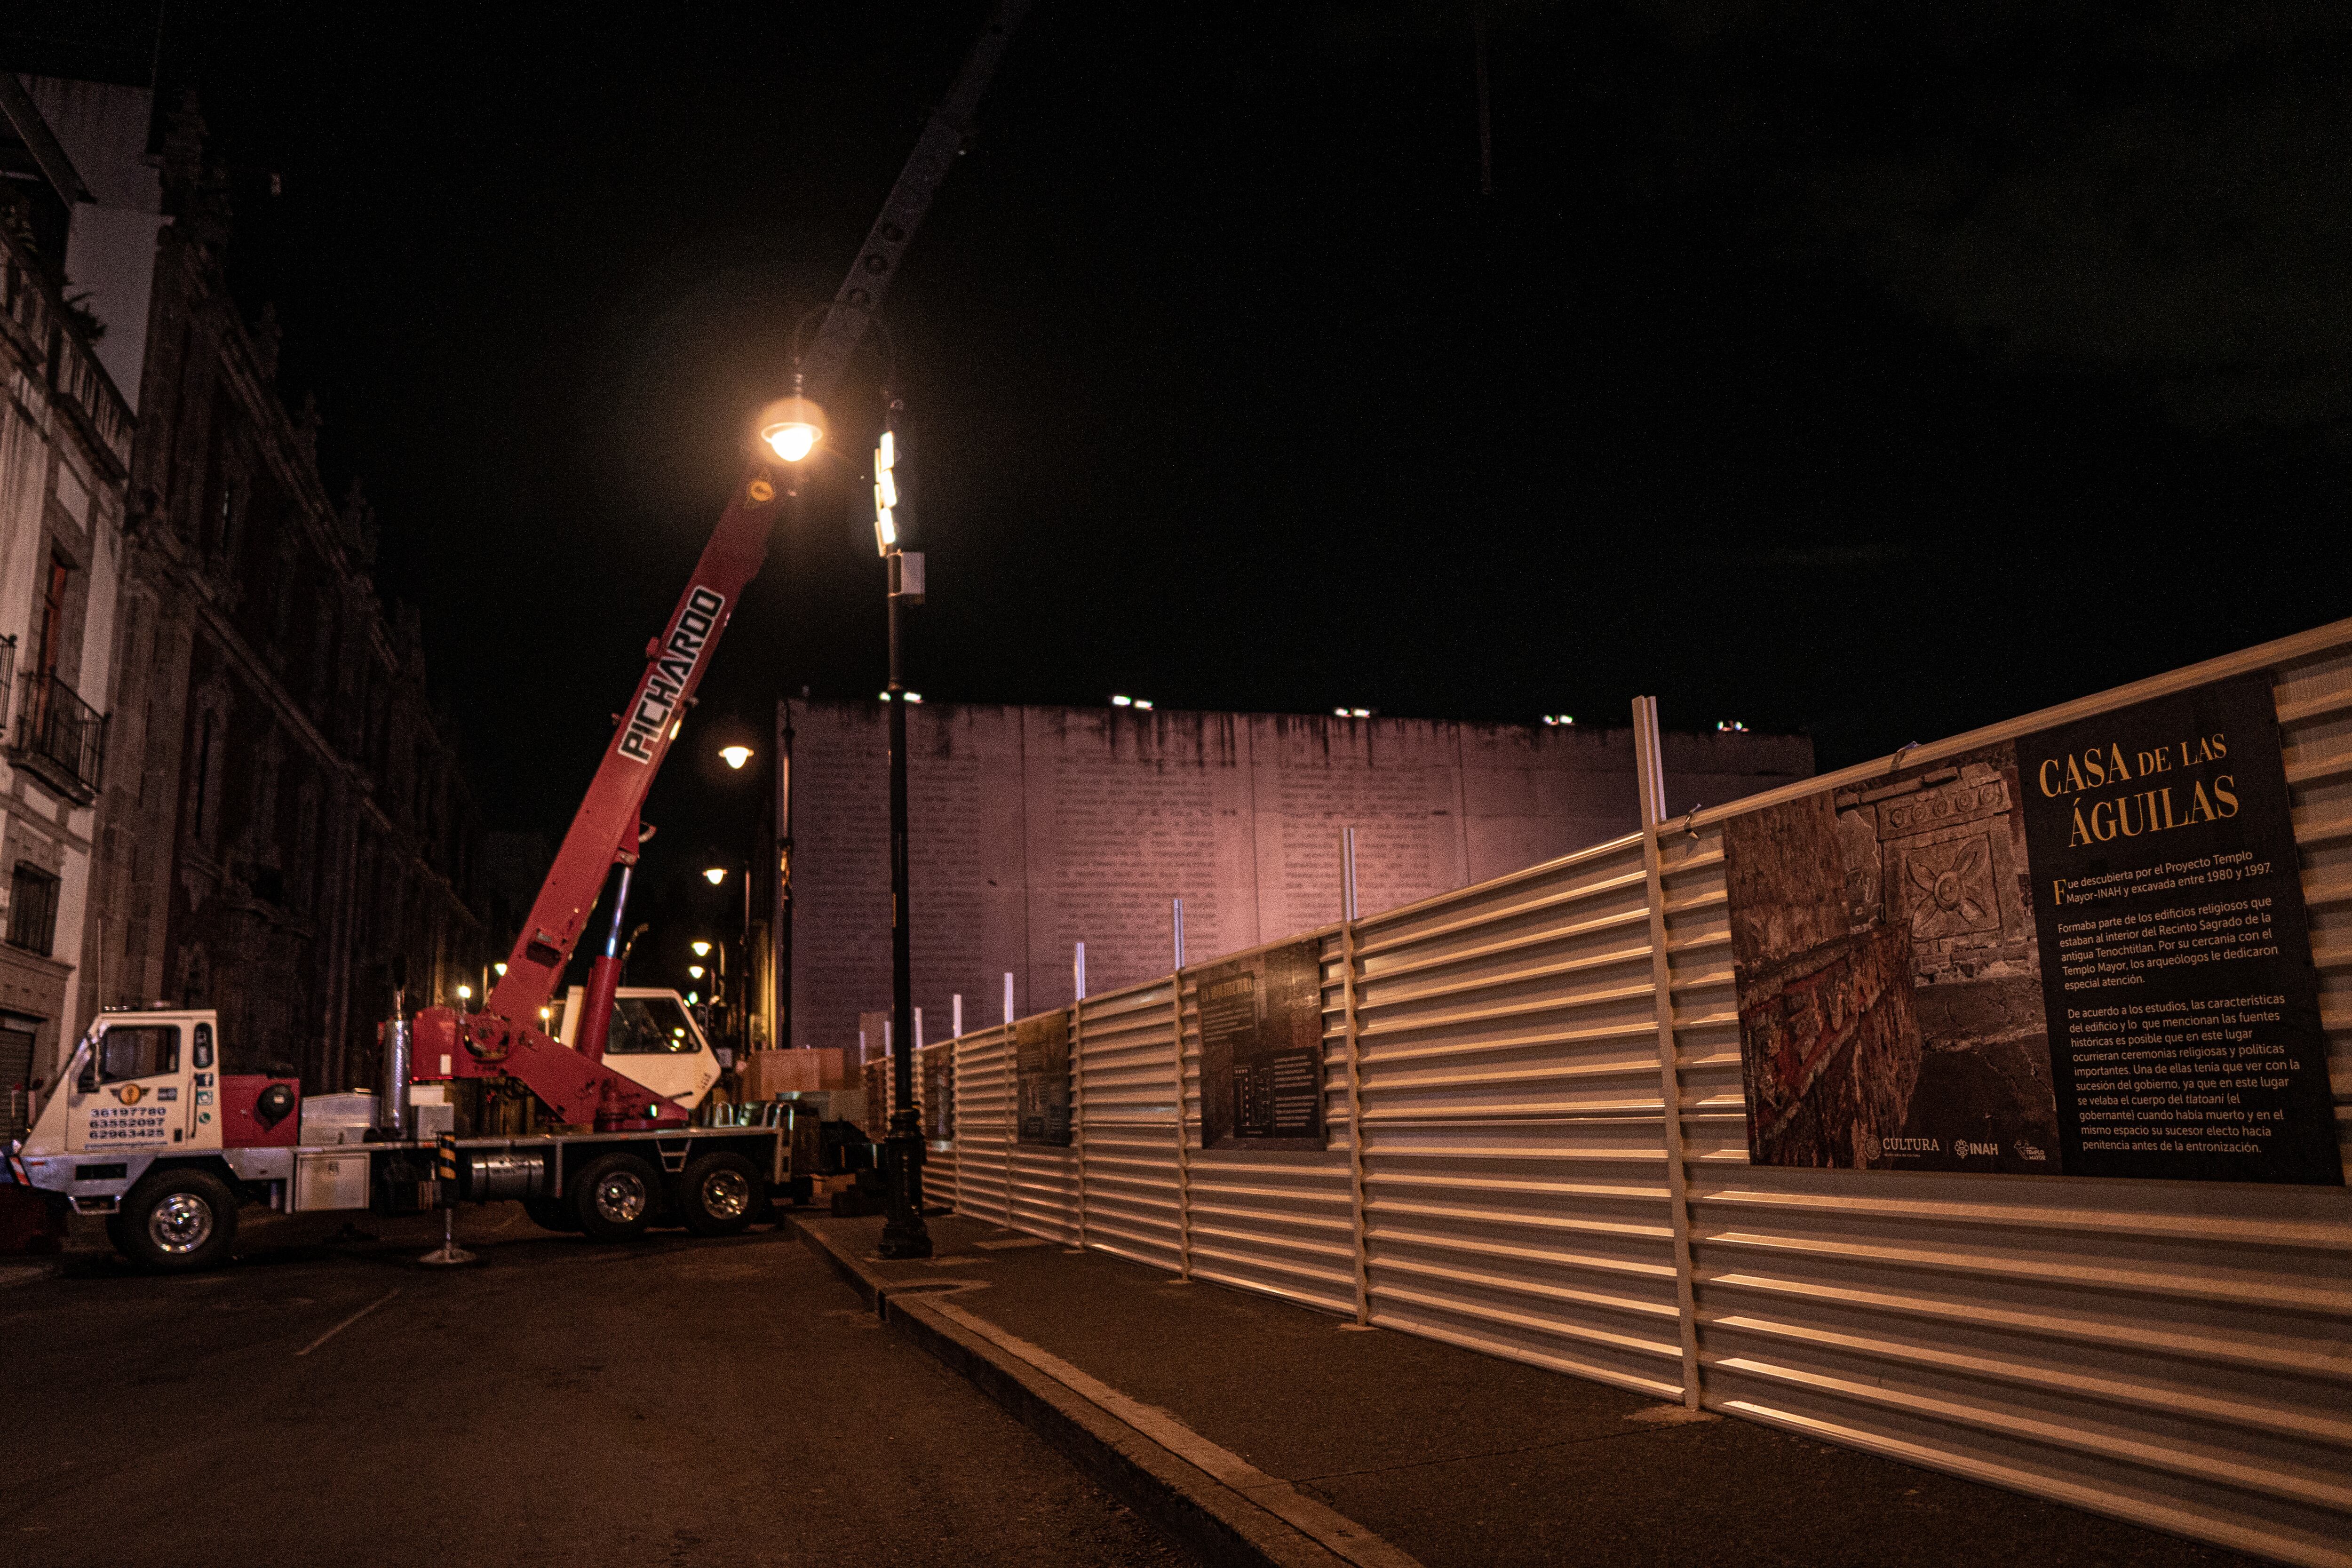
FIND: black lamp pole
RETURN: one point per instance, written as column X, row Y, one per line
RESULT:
column 904, row 1234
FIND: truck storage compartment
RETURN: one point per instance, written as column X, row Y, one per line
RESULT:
column 331, row 1181
column 338, row 1118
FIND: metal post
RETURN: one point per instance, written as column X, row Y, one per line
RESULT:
column 1078, row 1097
column 1356, row 1194
column 780, row 1025
column 904, row 1234
column 1176, row 924
column 1183, row 1142
column 1012, row 1097
column 1650, row 783
column 1347, row 873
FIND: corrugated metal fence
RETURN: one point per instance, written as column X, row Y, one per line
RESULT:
column 1504, row 1174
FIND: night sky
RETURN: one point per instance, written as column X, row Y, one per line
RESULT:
column 1872, row 370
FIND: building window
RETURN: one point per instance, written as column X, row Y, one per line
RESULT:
column 53, row 613
column 204, row 773
column 33, row 910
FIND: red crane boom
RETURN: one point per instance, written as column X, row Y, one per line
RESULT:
column 503, row 1039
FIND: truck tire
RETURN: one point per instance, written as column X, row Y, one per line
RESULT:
column 718, row 1195
column 615, row 1198
column 552, row 1213
column 177, row 1221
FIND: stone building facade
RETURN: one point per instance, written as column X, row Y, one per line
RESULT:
column 281, row 814
column 65, row 450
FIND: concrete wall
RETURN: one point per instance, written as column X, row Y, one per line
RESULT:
column 1036, row 828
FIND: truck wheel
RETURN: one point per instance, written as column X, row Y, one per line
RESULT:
column 552, row 1213
column 176, row 1222
column 718, row 1195
column 613, row 1198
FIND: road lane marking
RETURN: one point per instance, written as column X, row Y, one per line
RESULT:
column 1326, row 1526
column 347, row 1322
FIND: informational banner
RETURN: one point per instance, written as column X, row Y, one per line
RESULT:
column 2081, row 953
column 939, row 1094
column 1041, row 1071
column 1261, row 1049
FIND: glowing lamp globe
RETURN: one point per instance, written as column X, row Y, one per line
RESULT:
column 791, row 427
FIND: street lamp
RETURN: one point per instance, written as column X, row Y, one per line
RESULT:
column 694, row 971
column 904, row 1234
column 791, row 426
column 735, row 996
column 735, row 756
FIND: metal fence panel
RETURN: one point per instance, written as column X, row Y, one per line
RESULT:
column 1276, row 1221
column 1501, row 1176
column 1513, row 1123
column 983, row 1124
column 1126, row 1059
column 2165, row 1352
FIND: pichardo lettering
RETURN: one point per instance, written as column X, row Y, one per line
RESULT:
column 672, row 673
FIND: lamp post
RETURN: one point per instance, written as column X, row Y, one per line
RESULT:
column 904, row 1235
column 738, row 1024
column 792, row 428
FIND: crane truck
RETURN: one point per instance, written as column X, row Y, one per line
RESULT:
column 145, row 1127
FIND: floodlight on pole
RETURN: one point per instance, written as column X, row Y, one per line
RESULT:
column 886, row 494
column 735, row 756
column 714, row 875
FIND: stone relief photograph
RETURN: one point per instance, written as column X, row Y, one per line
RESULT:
column 1891, row 1012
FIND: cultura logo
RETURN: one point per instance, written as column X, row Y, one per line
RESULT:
column 130, row 1093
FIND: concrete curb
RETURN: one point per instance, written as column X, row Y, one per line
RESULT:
column 1213, row 1518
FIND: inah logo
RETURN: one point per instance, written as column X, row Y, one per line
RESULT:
column 672, row 673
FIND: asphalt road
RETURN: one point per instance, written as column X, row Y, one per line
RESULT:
column 671, row 1401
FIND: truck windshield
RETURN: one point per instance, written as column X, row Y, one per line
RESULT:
column 651, row 1026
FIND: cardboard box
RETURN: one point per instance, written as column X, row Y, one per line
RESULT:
column 764, row 1075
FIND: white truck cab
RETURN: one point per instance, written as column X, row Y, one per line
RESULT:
column 139, row 1080
column 653, row 1040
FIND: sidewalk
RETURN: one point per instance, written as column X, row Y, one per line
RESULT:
column 1267, row 1433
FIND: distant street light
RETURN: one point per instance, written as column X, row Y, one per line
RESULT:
column 701, row 949
column 715, row 874
column 465, row 993
column 735, row 756
column 694, row 971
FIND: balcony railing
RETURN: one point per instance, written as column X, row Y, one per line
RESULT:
column 58, row 738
